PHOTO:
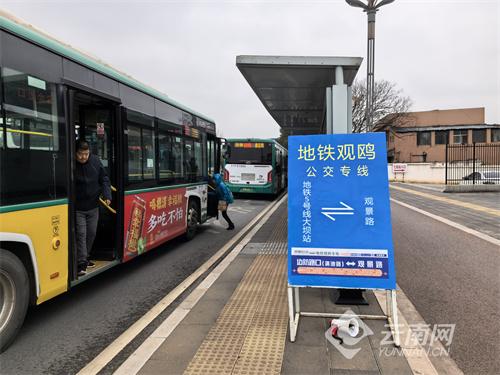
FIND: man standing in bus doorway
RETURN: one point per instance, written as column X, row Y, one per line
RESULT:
column 225, row 198
column 91, row 181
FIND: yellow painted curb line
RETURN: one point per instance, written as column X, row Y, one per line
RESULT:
column 472, row 206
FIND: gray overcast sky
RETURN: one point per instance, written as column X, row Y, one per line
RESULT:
column 443, row 54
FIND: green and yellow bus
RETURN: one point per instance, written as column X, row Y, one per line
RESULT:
column 158, row 154
column 256, row 166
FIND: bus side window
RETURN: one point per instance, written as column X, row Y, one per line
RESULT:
column 148, row 161
column 166, row 161
column 198, row 159
column 32, row 128
column 134, row 153
column 30, row 111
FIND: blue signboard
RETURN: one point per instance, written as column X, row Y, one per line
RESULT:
column 339, row 218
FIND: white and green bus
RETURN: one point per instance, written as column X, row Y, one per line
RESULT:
column 256, row 166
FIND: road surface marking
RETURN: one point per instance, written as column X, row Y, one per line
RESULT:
column 433, row 188
column 472, row 206
column 451, row 223
column 103, row 358
column 213, row 231
column 240, row 210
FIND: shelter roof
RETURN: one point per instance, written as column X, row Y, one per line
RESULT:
column 292, row 88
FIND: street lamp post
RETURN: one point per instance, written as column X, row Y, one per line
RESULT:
column 371, row 8
column 355, row 296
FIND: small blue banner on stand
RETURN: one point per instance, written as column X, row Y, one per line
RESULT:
column 339, row 217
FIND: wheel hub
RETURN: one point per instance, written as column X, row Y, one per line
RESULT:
column 7, row 299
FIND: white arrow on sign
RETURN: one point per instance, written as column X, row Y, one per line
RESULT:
column 329, row 212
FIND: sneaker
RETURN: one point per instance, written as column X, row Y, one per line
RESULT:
column 90, row 264
column 230, row 227
column 82, row 273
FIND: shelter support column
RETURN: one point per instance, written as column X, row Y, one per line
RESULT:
column 328, row 97
column 339, row 105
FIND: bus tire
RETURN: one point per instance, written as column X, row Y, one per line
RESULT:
column 193, row 216
column 14, row 290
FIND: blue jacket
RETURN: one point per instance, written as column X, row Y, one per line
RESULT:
column 222, row 190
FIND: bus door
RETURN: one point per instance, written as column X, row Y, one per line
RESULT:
column 213, row 166
column 95, row 119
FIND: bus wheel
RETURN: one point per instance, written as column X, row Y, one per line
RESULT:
column 192, row 220
column 14, row 297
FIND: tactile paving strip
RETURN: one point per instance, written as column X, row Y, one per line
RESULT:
column 249, row 335
column 277, row 242
column 262, row 351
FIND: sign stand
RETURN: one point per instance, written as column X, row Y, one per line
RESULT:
column 351, row 297
column 356, row 210
column 295, row 313
column 399, row 168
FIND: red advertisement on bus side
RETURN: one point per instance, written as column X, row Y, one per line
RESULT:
column 152, row 218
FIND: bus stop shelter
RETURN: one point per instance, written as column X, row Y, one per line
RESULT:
column 304, row 94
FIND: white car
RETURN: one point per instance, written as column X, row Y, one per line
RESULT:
column 484, row 177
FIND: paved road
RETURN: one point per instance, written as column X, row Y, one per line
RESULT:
column 478, row 211
column 64, row 334
column 452, row 277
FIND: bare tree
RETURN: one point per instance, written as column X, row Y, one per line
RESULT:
column 387, row 100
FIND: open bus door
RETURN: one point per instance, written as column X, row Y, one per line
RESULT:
column 95, row 119
column 214, row 166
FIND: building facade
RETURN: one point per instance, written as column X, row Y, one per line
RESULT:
column 416, row 137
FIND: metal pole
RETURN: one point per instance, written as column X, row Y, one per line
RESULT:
column 345, row 296
column 446, row 164
column 370, row 69
column 473, row 163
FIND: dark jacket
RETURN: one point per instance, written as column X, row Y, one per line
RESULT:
column 91, row 181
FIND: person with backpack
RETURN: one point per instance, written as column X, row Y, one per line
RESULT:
column 225, row 198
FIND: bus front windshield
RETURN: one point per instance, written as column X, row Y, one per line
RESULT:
column 250, row 153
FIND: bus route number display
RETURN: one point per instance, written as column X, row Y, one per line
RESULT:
column 339, row 218
column 248, row 145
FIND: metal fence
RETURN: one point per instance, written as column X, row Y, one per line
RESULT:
column 472, row 164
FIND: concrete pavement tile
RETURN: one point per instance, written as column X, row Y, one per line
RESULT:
column 264, row 233
column 380, row 334
column 390, row 359
column 353, row 372
column 311, row 331
column 220, row 291
column 310, row 300
column 363, row 360
column 394, row 363
column 304, row 360
column 373, row 308
column 173, row 356
column 236, row 270
column 156, row 368
column 206, row 311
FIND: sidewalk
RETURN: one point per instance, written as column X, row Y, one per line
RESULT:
column 240, row 324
